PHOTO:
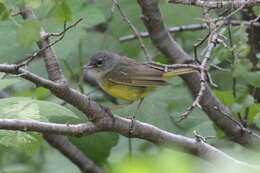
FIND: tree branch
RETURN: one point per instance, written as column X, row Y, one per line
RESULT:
column 49, row 56
column 191, row 27
column 216, row 111
column 50, row 128
column 218, row 4
column 122, row 125
column 75, row 155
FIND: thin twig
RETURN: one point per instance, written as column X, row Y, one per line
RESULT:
column 133, row 28
column 64, row 30
column 210, row 80
column 220, row 68
column 191, row 27
column 167, row 67
column 212, row 41
column 61, row 34
column 218, row 4
column 196, row 45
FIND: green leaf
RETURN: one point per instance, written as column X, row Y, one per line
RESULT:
column 240, row 47
column 242, row 91
column 241, row 105
column 249, row 100
column 4, row 12
column 6, row 82
column 72, row 39
column 258, row 55
column 20, row 108
column 96, row 146
column 244, row 50
column 28, row 32
column 17, row 109
column 11, row 51
column 56, row 113
column 29, row 109
column 224, row 83
column 33, row 3
column 27, row 142
column 93, row 15
column 242, row 68
column 257, row 120
column 63, row 13
column 256, row 10
column 254, row 78
column 236, row 108
column 226, row 97
column 254, row 109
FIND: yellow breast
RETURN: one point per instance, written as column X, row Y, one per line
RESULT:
column 125, row 92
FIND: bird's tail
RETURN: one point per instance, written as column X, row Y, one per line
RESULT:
column 179, row 71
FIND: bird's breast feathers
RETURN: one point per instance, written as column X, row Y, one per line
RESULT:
column 125, row 92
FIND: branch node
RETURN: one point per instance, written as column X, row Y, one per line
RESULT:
column 198, row 137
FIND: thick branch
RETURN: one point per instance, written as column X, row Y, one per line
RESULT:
column 218, row 4
column 50, row 128
column 170, row 48
column 121, row 125
column 85, row 164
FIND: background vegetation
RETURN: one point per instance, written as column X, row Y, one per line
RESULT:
column 101, row 30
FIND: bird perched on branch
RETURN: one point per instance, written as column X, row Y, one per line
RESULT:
column 127, row 79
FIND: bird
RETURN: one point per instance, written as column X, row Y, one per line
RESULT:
column 127, row 79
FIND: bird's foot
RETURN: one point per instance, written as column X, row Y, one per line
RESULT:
column 131, row 127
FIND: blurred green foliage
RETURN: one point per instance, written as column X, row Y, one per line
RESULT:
column 172, row 161
column 28, row 32
column 101, row 29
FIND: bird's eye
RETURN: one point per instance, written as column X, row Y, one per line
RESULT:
column 99, row 63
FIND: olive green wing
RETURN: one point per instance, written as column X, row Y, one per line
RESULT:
column 135, row 74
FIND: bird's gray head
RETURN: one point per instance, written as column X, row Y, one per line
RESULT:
column 101, row 63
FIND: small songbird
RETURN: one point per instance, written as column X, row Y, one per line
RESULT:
column 127, row 79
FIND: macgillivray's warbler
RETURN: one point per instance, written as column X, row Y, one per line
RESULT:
column 127, row 79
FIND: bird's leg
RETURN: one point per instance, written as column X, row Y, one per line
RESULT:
column 119, row 106
column 138, row 108
column 134, row 116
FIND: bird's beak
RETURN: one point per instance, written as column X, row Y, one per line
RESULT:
column 87, row 67
column 90, row 66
